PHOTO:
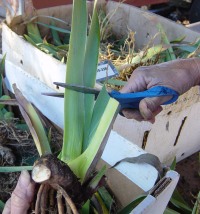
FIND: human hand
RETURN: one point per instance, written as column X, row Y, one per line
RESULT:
column 21, row 197
column 179, row 75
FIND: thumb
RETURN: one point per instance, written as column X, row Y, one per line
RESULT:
column 23, row 194
column 7, row 208
column 150, row 107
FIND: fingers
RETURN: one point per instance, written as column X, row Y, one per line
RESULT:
column 148, row 109
column 22, row 195
column 132, row 114
column 7, row 208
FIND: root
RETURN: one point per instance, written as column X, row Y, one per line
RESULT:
column 37, row 204
column 60, row 203
column 69, row 211
column 51, row 198
column 44, row 198
column 67, row 198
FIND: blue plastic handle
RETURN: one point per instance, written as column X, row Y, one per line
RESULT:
column 132, row 100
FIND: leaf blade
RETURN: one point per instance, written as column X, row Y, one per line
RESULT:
column 73, row 101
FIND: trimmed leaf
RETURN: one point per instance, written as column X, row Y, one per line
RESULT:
column 34, row 33
column 106, row 197
column 170, row 211
column 127, row 209
column 62, row 30
column 116, row 82
column 144, row 56
column 33, row 121
column 189, row 49
column 169, row 52
column 44, row 16
column 179, row 39
column 15, row 168
column 55, row 35
column 30, row 40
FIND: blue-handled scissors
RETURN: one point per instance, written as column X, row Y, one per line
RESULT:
column 126, row 100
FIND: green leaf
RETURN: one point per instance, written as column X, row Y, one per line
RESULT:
column 116, row 82
column 169, row 52
column 89, row 72
column 144, row 56
column 104, row 113
column 22, row 126
column 189, row 49
column 101, row 203
column 55, row 35
column 49, row 49
column 196, row 209
column 180, row 203
column 74, row 101
column 170, row 211
column 30, row 40
column 62, row 30
column 179, row 39
column 127, row 209
column 8, row 116
column 1, row 206
column 2, row 68
column 86, row 208
column 4, row 97
column 15, row 168
column 34, row 33
column 95, row 181
column 45, row 16
column 106, row 197
column 173, row 165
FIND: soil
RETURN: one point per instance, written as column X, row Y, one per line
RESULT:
column 189, row 183
column 17, row 148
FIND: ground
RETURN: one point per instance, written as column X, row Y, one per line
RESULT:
column 189, row 183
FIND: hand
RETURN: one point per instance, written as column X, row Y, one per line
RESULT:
column 21, row 197
column 179, row 75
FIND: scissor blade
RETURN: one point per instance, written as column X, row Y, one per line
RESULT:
column 78, row 88
column 54, row 94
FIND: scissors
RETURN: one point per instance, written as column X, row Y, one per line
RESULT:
column 126, row 100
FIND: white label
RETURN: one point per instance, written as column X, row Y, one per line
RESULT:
column 105, row 70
